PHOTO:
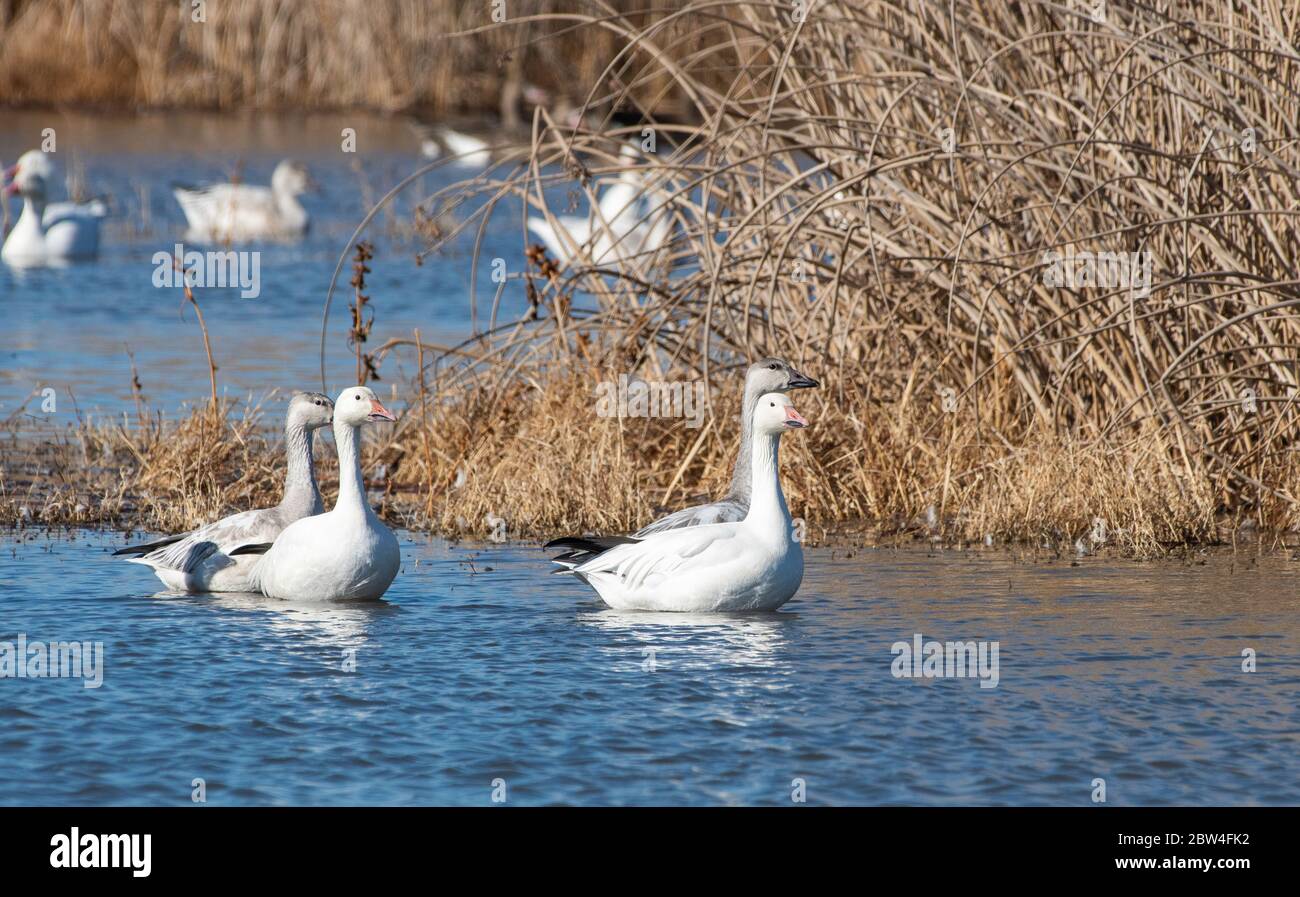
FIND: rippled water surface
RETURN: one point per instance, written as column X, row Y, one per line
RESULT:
column 478, row 666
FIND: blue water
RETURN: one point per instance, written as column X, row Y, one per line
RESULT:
column 479, row 667
column 76, row 328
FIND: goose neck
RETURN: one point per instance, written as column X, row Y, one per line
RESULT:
column 767, row 507
column 352, row 491
column 301, row 492
column 742, row 475
column 287, row 203
column 32, row 215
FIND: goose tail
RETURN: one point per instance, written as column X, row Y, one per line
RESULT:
column 150, row 546
column 577, row 550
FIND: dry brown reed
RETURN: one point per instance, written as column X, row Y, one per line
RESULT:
column 387, row 55
column 361, row 322
column 874, row 191
column 188, row 290
column 883, row 193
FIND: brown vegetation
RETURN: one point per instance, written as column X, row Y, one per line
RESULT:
column 878, row 192
column 873, row 193
column 388, row 55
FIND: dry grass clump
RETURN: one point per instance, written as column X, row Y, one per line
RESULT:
column 151, row 473
column 536, row 457
column 204, row 466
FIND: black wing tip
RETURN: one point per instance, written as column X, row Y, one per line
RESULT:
column 149, row 546
column 580, row 549
column 589, row 544
column 253, row 548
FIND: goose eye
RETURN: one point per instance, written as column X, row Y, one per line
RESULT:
column 358, row 398
column 771, row 367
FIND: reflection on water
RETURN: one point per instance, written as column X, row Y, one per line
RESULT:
column 337, row 624
column 694, row 641
column 480, row 665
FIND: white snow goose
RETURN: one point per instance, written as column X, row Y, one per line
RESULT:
column 200, row 561
column 346, row 553
column 48, row 232
column 613, row 229
column 767, row 375
column 241, row 213
column 463, row 150
column 753, row 565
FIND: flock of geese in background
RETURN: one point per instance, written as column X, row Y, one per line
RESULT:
column 736, row 554
column 52, row 233
column 629, row 218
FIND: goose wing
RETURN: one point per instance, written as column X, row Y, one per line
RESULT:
column 580, row 549
column 56, row 212
column 225, row 204
column 578, row 230
column 729, row 510
column 648, row 562
column 186, row 552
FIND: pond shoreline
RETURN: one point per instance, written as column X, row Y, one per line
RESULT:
column 50, row 483
column 839, row 545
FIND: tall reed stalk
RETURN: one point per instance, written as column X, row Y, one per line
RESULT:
column 188, row 289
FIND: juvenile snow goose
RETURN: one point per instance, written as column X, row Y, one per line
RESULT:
column 753, row 565
column 48, row 232
column 239, row 213
column 200, row 561
column 346, row 553
column 767, row 375
column 764, row 376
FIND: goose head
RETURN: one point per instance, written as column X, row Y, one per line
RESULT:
column 29, row 185
column 775, row 414
column 775, row 375
column 29, row 174
column 32, row 162
column 359, row 405
column 310, row 410
column 292, row 178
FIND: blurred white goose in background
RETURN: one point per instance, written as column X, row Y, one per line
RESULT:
column 655, row 225
column 613, row 229
column 239, row 213
column 346, row 553
column 48, row 232
column 464, row 150
column 753, row 565
column 200, row 561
